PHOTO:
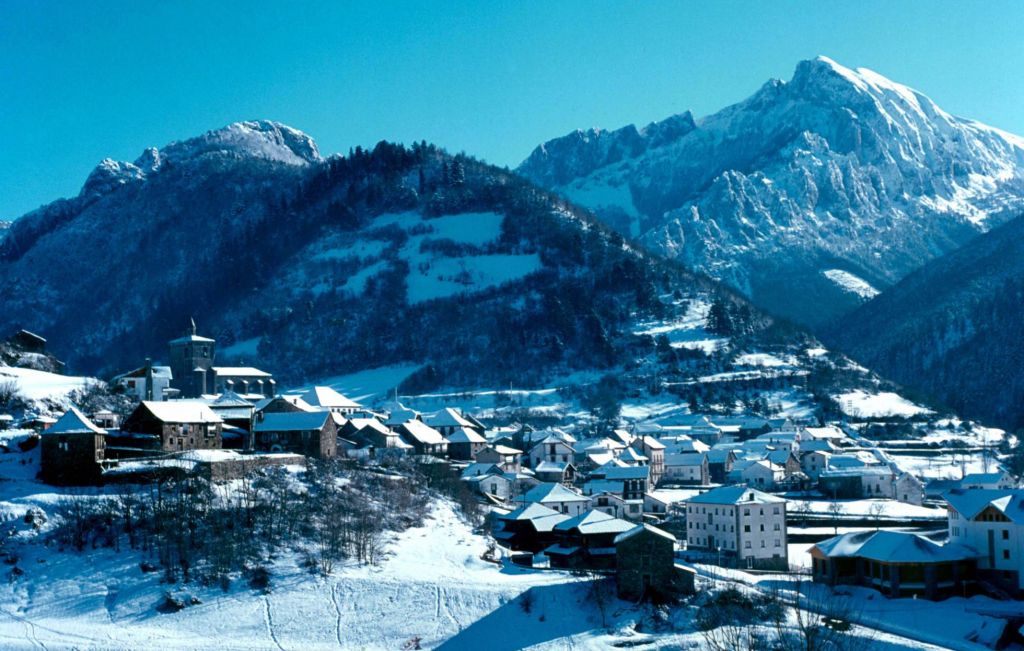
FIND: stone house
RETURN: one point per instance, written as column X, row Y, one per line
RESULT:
column 312, row 434
column 72, row 450
column 424, row 439
column 176, row 425
column 464, row 443
column 645, row 565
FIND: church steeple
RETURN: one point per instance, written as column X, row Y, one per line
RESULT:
column 192, row 320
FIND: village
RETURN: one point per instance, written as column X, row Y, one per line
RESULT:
column 652, row 504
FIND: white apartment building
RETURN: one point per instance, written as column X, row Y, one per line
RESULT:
column 741, row 524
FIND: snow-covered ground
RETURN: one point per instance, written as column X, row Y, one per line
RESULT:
column 863, row 404
column 848, row 282
column 886, row 508
column 39, row 385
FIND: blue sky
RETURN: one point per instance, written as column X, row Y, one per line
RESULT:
column 80, row 81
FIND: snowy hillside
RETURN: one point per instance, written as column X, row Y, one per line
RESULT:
column 835, row 170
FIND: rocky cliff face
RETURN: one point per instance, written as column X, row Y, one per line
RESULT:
column 834, row 171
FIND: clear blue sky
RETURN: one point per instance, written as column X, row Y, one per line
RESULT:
column 80, row 81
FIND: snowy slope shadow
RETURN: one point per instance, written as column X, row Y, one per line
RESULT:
column 555, row 612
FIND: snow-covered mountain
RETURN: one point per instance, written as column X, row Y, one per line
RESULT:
column 317, row 267
column 809, row 197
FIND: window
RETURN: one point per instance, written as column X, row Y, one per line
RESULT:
column 1006, row 554
column 762, row 544
column 746, row 528
column 775, row 510
column 778, row 543
column 746, row 511
column 747, row 544
column 777, row 526
column 1006, row 534
column 762, row 527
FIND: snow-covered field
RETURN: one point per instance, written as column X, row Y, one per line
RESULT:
column 848, row 282
column 40, row 385
column 862, row 404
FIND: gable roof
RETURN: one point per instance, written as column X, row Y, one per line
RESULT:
column 447, row 417
column 969, row 502
column 239, row 371
column 551, row 492
column 685, row 459
column 422, row 432
column 594, row 522
column 158, row 371
column 291, row 421
column 481, row 469
column 180, row 411
column 292, row 400
column 738, row 494
column 640, row 528
column 191, row 338
column 327, row 397
column 230, row 399
column 73, row 422
column 465, row 435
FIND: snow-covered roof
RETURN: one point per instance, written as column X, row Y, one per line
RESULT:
column 73, row 422
column 481, row 469
column 685, row 459
column 191, row 338
column 465, row 435
column 631, row 455
column 641, row 528
column 893, row 547
column 291, row 421
column 969, row 502
column 229, row 399
column 181, row 411
column 593, row 523
column 738, row 494
column 294, row 400
column 628, row 472
column 370, row 423
column 446, row 417
column 829, row 432
column 550, row 492
column 239, row 371
column 327, row 397
column 982, row 478
column 552, row 466
column 422, row 432
column 506, row 450
column 158, row 371
column 529, row 512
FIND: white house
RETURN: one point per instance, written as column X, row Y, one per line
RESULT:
column 329, row 399
column 137, row 383
column 758, row 473
column 741, row 524
column 557, row 497
column 992, row 522
column 553, row 449
column 687, row 468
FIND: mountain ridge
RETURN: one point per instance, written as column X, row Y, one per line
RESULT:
column 833, row 170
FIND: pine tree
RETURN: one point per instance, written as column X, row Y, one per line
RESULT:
column 458, row 176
